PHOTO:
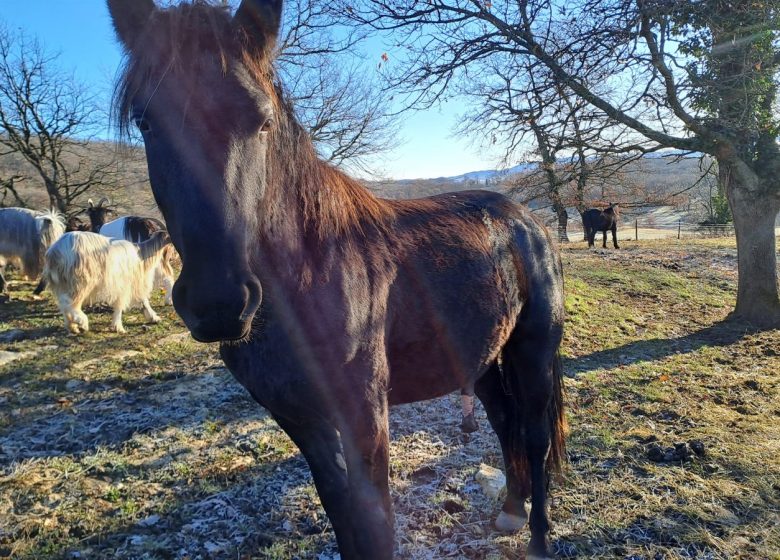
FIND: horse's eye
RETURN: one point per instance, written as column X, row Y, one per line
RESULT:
column 142, row 124
column 266, row 125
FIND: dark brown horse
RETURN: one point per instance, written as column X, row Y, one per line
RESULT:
column 595, row 219
column 332, row 304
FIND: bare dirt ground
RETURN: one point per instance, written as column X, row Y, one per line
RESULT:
column 141, row 446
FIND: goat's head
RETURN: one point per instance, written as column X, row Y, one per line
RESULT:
column 98, row 213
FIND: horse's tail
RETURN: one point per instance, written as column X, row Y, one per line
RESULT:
column 557, row 419
column 586, row 225
column 533, row 374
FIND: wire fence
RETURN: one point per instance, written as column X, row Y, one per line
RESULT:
column 649, row 229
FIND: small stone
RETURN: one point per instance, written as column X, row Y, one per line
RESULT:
column 136, row 540
column 491, row 479
column 74, row 385
column 149, row 521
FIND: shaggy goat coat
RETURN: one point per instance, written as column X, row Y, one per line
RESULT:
column 84, row 267
column 138, row 229
column 25, row 235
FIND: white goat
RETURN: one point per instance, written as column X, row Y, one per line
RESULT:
column 84, row 267
column 137, row 229
column 25, row 235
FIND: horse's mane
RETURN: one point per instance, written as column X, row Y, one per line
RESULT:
column 330, row 202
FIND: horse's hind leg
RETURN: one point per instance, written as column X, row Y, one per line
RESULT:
column 530, row 366
column 504, row 415
column 320, row 445
column 591, row 233
column 604, row 239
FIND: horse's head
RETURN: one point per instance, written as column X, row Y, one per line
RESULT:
column 198, row 85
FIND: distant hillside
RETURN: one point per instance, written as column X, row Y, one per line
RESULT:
column 133, row 194
column 655, row 173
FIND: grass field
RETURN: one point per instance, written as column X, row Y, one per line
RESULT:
column 142, row 446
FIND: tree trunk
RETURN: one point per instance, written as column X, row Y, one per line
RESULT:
column 754, row 215
column 582, row 218
column 563, row 217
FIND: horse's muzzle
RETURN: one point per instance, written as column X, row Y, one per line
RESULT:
column 223, row 313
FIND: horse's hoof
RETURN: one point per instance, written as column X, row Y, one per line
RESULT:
column 509, row 522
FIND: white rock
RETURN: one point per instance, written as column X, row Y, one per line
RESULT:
column 491, row 479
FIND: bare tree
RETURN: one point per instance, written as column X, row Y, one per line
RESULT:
column 339, row 100
column 698, row 76
column 48, row 120
column 346, row 115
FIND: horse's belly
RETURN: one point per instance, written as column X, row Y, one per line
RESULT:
column 430, row 368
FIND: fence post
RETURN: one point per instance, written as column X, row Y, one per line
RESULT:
column 636, row 230
column 679, row 227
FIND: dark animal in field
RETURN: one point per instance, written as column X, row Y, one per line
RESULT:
column 82, row 267
column 25, row 235
column 595, row 219
column 330, row 303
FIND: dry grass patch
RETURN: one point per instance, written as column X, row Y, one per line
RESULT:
column 143, row 447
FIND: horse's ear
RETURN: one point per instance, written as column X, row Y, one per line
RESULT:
column 260, row 20
column 91, row 204
column 130, row 17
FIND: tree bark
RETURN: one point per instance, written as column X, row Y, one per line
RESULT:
column 754, row 210
column 563, row 218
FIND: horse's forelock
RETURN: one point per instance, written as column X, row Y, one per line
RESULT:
column 175, row 37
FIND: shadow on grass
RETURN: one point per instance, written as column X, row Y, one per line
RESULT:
column 720, row 334
column 91, row 417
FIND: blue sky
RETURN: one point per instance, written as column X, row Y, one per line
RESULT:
column 80, row 30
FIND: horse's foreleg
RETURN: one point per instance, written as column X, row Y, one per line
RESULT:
column 366, row 448
column 321, row 446
column 604, row 239
column 614, row 236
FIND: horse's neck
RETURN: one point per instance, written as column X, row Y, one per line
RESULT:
column 310, row 214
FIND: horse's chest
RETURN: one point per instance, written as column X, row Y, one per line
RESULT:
column 260, row 368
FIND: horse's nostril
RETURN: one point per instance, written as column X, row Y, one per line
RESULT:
column 253, row 300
